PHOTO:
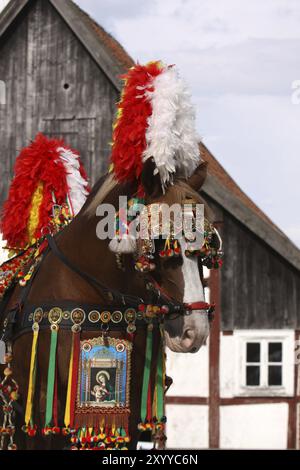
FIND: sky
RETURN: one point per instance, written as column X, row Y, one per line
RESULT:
column 241, row 61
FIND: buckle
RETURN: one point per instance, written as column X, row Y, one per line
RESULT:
column 78, row 317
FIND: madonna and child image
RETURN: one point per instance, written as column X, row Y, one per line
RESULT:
column 103, row 386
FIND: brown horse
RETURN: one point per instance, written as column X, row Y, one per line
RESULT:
column 55, row 282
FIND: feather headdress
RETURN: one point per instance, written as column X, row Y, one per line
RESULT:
column 46, row 172
column 155, row 120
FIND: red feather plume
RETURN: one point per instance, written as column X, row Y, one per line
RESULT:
column 129, row 136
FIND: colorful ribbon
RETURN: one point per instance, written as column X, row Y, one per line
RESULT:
column 32, row 376
column 146, row 377
column 72, row 381
column 51, row 377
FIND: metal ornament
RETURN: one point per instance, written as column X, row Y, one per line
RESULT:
column 117, row 317
column 54, row 315
column 77, row 316
column 94, row 316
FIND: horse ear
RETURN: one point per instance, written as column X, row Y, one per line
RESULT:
column 198, row 178
column 151, row 179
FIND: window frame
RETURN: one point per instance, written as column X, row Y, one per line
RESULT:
column 264, row 337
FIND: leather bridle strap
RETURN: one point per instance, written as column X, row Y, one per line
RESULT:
column 124, row 299
column 90, row 279
column 199, row 306
column 162, row 296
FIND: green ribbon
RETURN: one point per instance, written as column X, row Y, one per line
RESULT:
column 147, row 370
column 160, row 382
column 51, row 378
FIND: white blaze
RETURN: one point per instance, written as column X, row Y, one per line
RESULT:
column 193, row 289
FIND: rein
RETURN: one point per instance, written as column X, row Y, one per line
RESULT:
column 168, row 304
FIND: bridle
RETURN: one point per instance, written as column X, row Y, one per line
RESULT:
column 186, row 308
column 161, row 302
column 159, row 296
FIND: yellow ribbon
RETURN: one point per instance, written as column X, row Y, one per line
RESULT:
column 67, row 418
column 32, row 375
column 34, row 215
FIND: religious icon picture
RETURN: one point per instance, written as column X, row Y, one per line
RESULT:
column 104, row 374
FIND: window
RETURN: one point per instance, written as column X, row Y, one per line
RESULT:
column 253, row 364
column 260, row 372
column 265, row 364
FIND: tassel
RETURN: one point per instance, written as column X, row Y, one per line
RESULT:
column 32, row 377
column 146, row 378
column 51, row 376
column 159, row 420
column 149, row 407
column 74, row 380
column 67, row 418
column 160, row 383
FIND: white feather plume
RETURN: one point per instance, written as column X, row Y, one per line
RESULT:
column 77, row 184
column 171, row 136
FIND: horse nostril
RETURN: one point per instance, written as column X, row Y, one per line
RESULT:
column 188, row 339
column 193, row 350
column 188, row 334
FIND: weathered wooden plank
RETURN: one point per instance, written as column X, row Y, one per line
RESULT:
column 90, row 40
column 259, row 288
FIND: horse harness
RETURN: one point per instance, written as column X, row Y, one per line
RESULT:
column 122, row 310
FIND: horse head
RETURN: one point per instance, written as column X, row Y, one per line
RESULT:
column 179, row 277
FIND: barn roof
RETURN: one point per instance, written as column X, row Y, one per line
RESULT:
column 114, row 61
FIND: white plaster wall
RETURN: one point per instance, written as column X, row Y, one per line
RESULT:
column 187, row 426
column 227, row 366
column 189, row 373
column 254, row 426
